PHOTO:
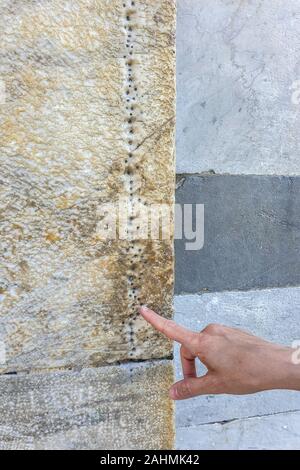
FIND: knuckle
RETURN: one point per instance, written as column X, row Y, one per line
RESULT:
column 195, row 343
column 204, row 348
column 213, row 329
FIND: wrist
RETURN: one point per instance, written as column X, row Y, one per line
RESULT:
column 287, row 370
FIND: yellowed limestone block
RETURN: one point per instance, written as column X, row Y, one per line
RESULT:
column 88, row 117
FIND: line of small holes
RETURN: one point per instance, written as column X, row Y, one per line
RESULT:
column 130, row 96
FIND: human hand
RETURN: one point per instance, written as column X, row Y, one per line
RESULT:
column 237, row 362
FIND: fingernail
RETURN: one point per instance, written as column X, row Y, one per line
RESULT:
column 172, row 393
column 143, row 307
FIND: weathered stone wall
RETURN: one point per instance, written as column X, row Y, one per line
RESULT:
column 87, row 119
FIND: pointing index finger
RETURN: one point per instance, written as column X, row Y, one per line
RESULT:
column 168, row 327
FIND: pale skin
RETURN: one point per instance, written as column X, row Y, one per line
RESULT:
column 237, row 362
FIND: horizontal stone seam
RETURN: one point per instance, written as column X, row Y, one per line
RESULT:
column 79, row 369
column 236, row 175
column 228, row 421
column 251, row 289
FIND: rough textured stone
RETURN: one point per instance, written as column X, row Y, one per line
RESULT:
column 125, row 407
column 251, row 233
column 269, row 313
column 88, row 118
column 238, row 86
column 281, row 431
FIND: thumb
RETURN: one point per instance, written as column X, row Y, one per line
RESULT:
column 191, row 387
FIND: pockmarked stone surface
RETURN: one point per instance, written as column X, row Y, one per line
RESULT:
column 87, row 119
column 97, row 408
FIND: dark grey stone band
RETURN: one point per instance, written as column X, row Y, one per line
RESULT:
column 252, row 233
